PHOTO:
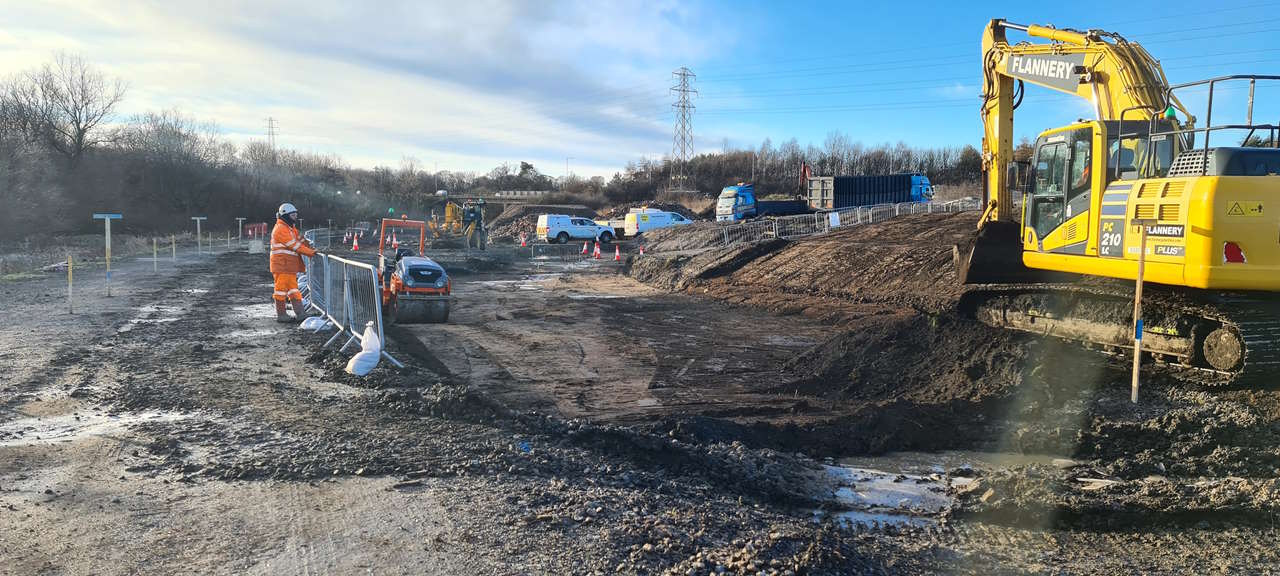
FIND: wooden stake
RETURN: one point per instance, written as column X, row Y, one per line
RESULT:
column 1137, row 306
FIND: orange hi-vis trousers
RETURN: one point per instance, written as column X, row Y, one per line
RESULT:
column 286, row 287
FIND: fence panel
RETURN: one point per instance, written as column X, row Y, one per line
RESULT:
column 318, row 282
column 320, row 238
column 753, row 231
column 822, row 222
column 801, row 225
column 571, row 252
column 348, row 294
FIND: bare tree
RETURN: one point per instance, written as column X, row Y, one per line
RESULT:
column 62, row 105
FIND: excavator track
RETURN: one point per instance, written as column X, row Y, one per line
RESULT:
column 1207, row 338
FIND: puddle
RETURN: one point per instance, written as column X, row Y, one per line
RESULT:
column 250, row 334
column 531, row 283
column 151, row 314
column 194, row 291
column 788, row 341
column 69, row 427
column 262, row 311
column 941, row 462
column 580, row 296
column 647, row 402
column 904, row 488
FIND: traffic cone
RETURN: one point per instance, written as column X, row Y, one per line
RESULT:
column 617, row 253
column 522, row 243
column 355, row 244
column 584, row 247
column 642, row 249
column 395, row 242
column 596, row 253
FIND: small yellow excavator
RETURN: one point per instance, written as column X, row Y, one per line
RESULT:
column 465, row 220
column 1211, row 210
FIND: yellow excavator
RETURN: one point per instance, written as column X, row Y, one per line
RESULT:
column 465, row 221
column 1211, row 212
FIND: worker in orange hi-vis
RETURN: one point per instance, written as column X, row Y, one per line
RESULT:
column 287, row 249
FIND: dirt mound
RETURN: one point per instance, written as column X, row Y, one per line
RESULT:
column 621, row 210
column 905, row 262
column 696, row 236
column 520, row 219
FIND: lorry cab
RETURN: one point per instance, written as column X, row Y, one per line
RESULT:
column 736, row 203
column 921, row 189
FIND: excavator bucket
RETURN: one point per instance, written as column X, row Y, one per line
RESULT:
column 995, row 257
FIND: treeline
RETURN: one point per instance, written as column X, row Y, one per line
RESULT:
column 65, row 153
column 779, row 170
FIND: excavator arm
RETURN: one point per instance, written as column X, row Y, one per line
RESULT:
column 1119, row 78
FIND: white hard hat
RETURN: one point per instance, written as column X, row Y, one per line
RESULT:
column 286, row 208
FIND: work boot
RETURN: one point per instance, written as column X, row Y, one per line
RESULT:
column 300, row 311
column 282, row 316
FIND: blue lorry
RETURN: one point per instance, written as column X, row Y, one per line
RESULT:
column 739, row 203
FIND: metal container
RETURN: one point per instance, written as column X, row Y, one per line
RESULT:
column 835, row 193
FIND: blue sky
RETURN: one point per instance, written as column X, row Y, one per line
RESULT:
column 466, row 86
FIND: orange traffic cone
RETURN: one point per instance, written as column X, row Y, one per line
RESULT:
column 642, row 249
column 584, row 247
column 355, row 244
column 522, row 243
column 596, row 253
column 617, row 253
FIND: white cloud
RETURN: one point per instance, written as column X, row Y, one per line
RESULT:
column 468, row 85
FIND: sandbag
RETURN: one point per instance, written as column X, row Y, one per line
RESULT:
column 370, row 342
column 314, row 323
column 370, row 353
column 363, row 363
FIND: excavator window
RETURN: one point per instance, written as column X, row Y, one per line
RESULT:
column 1049, row 184
column 1081, row 172
column 1136, row 153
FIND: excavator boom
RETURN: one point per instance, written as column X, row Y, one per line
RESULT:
column 1119, row 78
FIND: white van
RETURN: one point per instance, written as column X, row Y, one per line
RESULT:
column 561, row 228
column 640, row 220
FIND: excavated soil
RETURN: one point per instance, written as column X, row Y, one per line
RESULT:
column 570, row 419
column 906, row 371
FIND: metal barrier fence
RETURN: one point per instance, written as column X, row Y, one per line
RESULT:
column 348, row 294
column 320, row 238
column 823, row 222
column 571, row 252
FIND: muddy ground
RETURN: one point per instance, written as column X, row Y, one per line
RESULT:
column 572, row 419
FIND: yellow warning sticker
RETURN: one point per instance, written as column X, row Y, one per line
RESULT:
column 1245, row 208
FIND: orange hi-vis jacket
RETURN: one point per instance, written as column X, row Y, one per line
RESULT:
column 287, row 249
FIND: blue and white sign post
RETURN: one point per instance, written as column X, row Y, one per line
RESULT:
column 107, row 218
column 1142, row 224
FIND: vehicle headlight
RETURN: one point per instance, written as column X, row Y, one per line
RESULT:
column 440, row 281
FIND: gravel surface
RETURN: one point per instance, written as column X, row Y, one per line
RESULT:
column 175, row 428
